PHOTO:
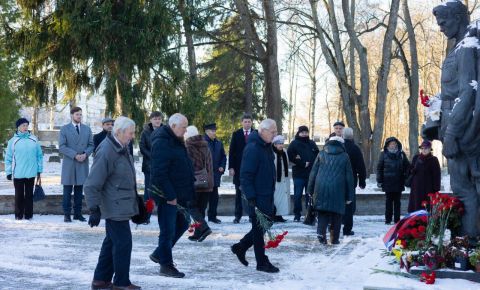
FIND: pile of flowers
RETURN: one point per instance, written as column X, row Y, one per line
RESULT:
column 419, row 239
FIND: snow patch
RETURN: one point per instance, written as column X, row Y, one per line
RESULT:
column 468, row 42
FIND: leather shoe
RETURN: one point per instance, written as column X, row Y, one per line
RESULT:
column 101, row 285
column 268, row 268
column 215, row 221
column 236, row 221
column 204, row 235
column 154, row 259
column 79, row 217
column 129, row 287
column 170, row 271
column 238, row 250
column 67, row 218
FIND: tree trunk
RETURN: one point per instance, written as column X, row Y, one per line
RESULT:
column 414, row 83
column 382, row 81
column 248, row 86
column 290, row 98
column 185, row 11
column 313, row 92
column 274, row 96
column 35, row 120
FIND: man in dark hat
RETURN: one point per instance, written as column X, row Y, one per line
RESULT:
column 219, row 161
column 107, row 126
column 301, row 153
column 338, row 128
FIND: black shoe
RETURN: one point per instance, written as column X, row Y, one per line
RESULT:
column 170, row 271
column 67, row 218
column 309, row 222
column 79, row 217
column 335, row 242
column 322, row 240
column 350, row 233
column 204, row 235
column 296, row 219
column 215, row 220
column 388, row 223
column 18, row 218
column 268, row 267
column 154, row 259
column 279, row 219
column 240, row 252
column 236, row 220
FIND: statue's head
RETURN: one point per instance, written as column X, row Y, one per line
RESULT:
column 451, row 17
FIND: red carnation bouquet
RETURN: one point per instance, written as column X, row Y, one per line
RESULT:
column 265, row 222
column 412, row 234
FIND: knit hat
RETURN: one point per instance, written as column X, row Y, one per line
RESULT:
column 302, row 129
column 336, row 138
column 211, row 126
column 279, row 139
column 21, row 121
column 339, row 123
column 425, row 144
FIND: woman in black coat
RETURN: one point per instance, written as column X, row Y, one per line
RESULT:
column 425, row 176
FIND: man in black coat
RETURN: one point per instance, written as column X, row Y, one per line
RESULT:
column 219, row 161
column 359, row 176
column 301, row 153
column 237, row 144
column 156, row 119
column 257, row 179
column 392, row 170
column 173, row 183
column 107, row 126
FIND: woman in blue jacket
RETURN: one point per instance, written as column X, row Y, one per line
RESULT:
column 23, row 162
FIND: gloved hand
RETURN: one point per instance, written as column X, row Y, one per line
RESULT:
column 252, row 202
column 9, row 177
column 95, row 216
column 450, row 146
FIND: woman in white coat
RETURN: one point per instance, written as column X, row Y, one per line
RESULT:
column 281, row 197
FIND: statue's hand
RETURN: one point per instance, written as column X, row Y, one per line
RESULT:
column 450, row 147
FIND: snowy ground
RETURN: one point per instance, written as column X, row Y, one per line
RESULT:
column 46, row 253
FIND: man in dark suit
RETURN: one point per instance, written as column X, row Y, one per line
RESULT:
column 237, row 144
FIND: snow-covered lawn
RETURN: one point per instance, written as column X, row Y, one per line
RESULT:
column 46, row 253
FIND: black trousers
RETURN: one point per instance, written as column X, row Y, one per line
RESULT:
column 392, row 206
column 347, row 218
column 324, row 219
column 198, row 210
column 23, row 197
column 213, row 204
column 255, row 238
column 240, row 203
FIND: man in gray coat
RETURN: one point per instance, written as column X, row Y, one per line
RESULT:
column 110, row 192
column 76, row 144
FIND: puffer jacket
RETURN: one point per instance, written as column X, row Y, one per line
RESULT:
column 146, row 147
column 201, row 157
column 24, row 157
column 111, row 183
column 172, row 170
column 301, row 151
column 392, row 168
column 331, row 179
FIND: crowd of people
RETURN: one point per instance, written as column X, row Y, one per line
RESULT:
column 183, row 170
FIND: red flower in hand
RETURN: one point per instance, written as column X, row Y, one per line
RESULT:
column 150, row 205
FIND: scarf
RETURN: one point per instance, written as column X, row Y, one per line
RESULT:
column 281, row 156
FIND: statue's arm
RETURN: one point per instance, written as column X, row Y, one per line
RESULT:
column 466, row 60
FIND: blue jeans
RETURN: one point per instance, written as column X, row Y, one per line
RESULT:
column 172, row 225
column 77, row 199
column 115, row 254
column 146, row 192
column 299, row 185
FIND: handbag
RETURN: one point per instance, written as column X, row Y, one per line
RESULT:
column 142, row 215
column 38, row 193
column 201, row 177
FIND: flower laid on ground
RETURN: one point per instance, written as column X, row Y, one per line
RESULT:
column 150, row 205
column 265, row 222
column 413, row 232
column 428, row 278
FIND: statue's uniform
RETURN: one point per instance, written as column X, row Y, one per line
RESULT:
column 458, row 93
